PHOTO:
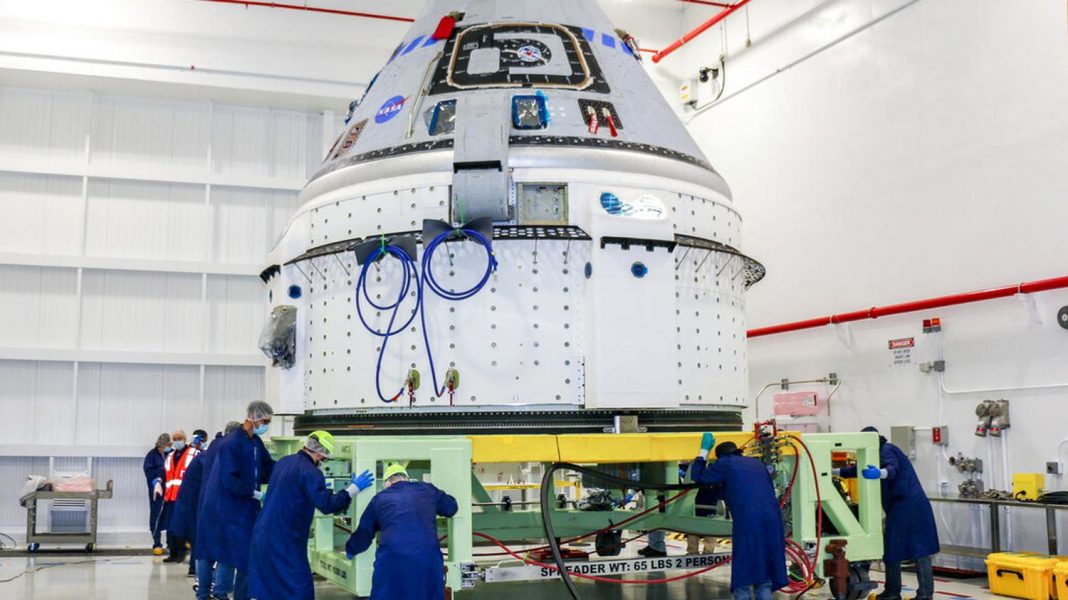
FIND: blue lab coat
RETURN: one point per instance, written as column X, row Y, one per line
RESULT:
column 759, row 541
column 184, row 519
column 278, row 566
column 408, row 563
column 227, row 510
column 910, row 532
column 153, row 467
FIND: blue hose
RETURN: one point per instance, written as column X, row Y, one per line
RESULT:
column 429, row 281
column 410, row 271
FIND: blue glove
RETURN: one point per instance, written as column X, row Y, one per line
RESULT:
column 363, row 480
column 707, row 441
column 872, row 472
column 349, row 555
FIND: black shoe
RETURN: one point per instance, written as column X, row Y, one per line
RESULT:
column 650, row 552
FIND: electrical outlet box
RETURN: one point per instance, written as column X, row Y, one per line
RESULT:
column 940, row 435
column 1054, row 468
column 904, row 437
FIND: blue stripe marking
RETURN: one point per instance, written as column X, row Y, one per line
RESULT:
column 430, row 41
column 588, row 34
column 414, row 43
column 608, row 40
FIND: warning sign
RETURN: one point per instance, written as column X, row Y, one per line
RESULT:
column 901, row 351
column 601, row 568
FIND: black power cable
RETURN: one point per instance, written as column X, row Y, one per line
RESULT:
column 546, row 507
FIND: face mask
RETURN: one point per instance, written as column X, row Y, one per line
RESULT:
column 168, row 450
column 179, row 445
column 261, row 429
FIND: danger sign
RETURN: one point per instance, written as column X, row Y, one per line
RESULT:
column 901, row 351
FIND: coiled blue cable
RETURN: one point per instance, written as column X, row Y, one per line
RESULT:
column 430, row 282
column 410, row 271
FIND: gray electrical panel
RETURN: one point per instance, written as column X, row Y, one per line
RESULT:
column 904, row 437
column 542, row 203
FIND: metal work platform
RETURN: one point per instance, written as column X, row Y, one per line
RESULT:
column 815, row 512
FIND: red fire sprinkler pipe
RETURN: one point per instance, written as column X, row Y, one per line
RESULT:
column 708, row 3
column 679, row 43
column 329, row 11
column 1042, row 285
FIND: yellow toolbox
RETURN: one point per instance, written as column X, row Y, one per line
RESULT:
column 1022, row 574
column 1028, row 486
column 1060, row 579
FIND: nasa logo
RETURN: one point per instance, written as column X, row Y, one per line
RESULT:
column 390, row 109
column 529, row 54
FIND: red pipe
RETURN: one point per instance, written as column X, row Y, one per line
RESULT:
column 679, row 43
column 707, row 3
column 330, row 11
column 1042, row 285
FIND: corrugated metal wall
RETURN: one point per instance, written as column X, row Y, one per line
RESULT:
column 131, row 236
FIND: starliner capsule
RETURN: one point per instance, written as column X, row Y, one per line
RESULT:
column 514, row 230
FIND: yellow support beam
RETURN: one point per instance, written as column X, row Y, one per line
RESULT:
column 601, row 448
column 513, row 448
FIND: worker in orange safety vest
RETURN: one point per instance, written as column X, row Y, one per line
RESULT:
column 174, row 467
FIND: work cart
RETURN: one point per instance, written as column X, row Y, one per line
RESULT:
column 76, row 502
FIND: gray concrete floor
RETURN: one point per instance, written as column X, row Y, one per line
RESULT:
column 49, row 576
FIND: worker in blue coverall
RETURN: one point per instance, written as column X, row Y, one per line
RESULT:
column 408, row 563
column 758, row 563
column 154, row 476
column 230, row 501
column 278, row 566
column 184, row 519
column 911, row 533
column 704, row 504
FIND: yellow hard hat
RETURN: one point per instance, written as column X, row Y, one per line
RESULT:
column 394, row 469
column 321, row 442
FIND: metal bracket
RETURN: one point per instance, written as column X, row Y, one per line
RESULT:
column 845, row 334
column 1030, row 301
column 627, row 242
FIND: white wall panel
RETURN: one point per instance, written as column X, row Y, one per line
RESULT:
column 42, row 214
column 259, row 141
column 146, row 199
column 248, row 222
column 39, row 307
column 37, row 401
column 140, row 219
column 136, row 132
column 131, row 310
column 43, row 125
column 128, row 507
column 883, row 170
column 135, row 403
column 236, row 313
column 227, row 391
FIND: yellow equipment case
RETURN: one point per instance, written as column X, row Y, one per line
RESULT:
column 1060, row 579
column 1022, row 574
